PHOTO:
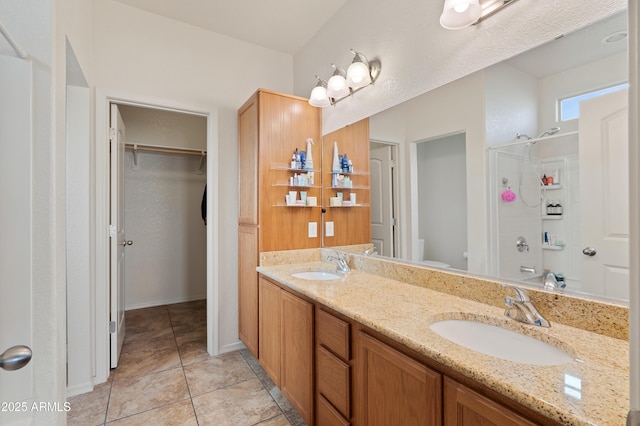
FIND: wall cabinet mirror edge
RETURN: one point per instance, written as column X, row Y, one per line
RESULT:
column 484, row 183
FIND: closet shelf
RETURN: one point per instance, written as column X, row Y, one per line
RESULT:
column 135, row 147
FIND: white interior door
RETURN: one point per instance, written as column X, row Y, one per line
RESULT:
column 118, row 241
column 604, row 194
column 381, row 199
column 16, row 386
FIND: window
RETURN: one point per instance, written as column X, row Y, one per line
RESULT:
column 570, row 107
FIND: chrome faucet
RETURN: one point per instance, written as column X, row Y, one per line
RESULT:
column 370, row 250
column 521, row 309
column 551, row 282
column 340, row 259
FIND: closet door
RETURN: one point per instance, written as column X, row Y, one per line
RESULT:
column 118, row 242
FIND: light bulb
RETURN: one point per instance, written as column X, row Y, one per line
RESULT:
column 461, row 8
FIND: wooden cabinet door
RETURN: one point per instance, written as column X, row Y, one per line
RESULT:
column 248, row 154
column 297, row 354
column 464, row 407
column 248, row 287
column 393, row 389
column 270, row 329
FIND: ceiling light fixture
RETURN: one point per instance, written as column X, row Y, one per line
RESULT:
column 360, row 74
column 458, row 14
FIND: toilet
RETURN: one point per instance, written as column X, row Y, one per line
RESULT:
column 429, row 263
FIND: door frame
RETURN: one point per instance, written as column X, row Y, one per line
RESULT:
column 104, row 97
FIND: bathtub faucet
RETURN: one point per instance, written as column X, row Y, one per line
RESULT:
column 551, row 282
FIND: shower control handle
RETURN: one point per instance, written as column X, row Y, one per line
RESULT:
column 521, row 244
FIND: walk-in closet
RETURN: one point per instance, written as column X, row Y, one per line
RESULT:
column 165, row 176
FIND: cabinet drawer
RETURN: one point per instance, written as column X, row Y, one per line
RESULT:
column 327, row 415
column 333, row 378
column 333, row 333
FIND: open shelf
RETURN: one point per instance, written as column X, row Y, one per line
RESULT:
column 287, row 167
column 354, row 173
column 350, row 187
column 552, row 247
column 552, row 186
column 294, row 205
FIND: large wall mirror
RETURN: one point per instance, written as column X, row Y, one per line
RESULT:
column 468, row 160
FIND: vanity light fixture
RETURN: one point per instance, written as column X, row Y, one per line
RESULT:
column 360, row 74
column 458, row 14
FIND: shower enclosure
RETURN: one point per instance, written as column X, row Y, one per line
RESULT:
column 539, row 228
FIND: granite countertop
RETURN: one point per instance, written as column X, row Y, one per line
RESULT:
column 591, row 390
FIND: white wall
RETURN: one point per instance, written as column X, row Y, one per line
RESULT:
column 442, row 199
column 511, row 104
column 454, row 108
column 150, row 56
column 418, row 55
column 79, row 281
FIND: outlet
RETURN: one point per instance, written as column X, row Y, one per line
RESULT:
column 313, row 229
column 329, row 229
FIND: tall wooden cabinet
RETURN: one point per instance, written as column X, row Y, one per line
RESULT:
column 271, row 126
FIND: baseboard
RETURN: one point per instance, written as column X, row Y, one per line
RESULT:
column 236, row 346
column 151, row 304
column 79, row 389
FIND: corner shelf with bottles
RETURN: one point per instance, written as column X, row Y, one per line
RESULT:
column 299, row 180
column 342, row 182
column 553, row 210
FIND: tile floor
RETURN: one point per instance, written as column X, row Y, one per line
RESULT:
column 166, row 377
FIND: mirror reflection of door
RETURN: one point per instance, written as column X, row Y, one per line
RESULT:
column 604, row 195
column 442, row 201
column 384, row 211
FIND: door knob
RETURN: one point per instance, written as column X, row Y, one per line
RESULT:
column 589, row 251
column 127, row 243
column 15, row 358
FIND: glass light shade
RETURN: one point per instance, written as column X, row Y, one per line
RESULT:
column 358, row 74
column 460, row 13
column 337, row 87
column 319, row 97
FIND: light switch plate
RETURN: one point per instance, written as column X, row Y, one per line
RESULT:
column 329, row 229
column 313, row 229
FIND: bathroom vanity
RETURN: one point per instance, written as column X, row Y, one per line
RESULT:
column 362, row 348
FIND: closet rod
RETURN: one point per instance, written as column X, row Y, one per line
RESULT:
column 21, row 53
column 165, row 149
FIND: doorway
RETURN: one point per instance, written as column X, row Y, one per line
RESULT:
column 442, row 201
column 209, row 168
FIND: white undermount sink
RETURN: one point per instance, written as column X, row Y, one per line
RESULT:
column 316, row 275
column 500, row 342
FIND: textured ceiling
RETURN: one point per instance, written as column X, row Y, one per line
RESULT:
column 282, row 25
column 586, row 46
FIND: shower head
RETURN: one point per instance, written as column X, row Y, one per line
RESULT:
column 549, row 132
